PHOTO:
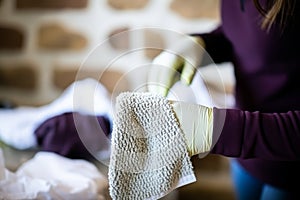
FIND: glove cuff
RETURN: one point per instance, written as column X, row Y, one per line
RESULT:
column 202, row 138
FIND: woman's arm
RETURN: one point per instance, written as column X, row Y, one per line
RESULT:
column 270, row 136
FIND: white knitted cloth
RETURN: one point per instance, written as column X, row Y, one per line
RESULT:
column 149, row 156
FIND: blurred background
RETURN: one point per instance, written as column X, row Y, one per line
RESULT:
column 44, row 44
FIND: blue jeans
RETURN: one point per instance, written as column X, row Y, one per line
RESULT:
column 248, row 187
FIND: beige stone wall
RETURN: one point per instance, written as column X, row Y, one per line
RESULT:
column 45, row 42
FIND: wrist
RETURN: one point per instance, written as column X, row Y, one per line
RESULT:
column 201, row 141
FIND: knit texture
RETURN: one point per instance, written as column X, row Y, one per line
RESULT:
column 149, row 156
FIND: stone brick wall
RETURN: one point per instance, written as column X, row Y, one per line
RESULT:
column 45, row 42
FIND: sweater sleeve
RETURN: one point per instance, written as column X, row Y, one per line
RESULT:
column 269, row 136
column 217, row 46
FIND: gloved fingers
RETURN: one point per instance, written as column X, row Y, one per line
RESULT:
column 163, row 73
column 178, row 62
column 167, row 59
column 163, row 80
column 188, row 73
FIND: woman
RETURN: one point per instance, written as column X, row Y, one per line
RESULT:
column 261, row 39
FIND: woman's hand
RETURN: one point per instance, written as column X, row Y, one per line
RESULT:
column 179, row 62
column 196, row 122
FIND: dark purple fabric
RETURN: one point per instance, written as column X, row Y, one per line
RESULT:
column 268, row 136
column 73, row 135
column 267, row 144
column 264, row 130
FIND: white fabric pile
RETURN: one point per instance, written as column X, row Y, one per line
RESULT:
column 51, row 176
column 149, row 156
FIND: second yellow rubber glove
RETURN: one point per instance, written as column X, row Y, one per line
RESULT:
column 178, row 62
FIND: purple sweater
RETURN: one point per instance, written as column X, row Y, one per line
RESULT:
column 263, row 132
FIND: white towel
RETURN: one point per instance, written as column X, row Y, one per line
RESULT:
column 51, row 176
column 149, row 155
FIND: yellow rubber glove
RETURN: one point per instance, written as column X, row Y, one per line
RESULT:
column 196, row 122
column 178, row 62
